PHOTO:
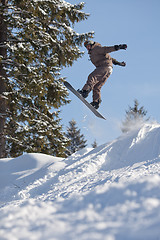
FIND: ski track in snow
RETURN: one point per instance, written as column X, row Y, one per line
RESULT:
column 110, row 193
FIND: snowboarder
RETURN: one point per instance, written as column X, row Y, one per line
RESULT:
column 103, row 62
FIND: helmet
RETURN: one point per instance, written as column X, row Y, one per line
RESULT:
column 86, row 43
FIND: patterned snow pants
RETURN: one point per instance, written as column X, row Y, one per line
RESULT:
column 96, row 80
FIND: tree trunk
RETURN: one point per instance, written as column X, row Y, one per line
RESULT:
column 3, row 54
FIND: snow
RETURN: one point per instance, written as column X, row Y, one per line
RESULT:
column 111, row 192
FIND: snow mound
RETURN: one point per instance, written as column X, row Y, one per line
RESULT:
column 107, row 193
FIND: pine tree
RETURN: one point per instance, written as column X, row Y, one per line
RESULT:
column 94, row 145
column 134, row 117
column 77, row 140
column 3, row 53
column 38, row 41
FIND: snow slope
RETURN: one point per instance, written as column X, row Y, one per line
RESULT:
column 108, row 193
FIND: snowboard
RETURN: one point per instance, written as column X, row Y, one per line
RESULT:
column 69, row 86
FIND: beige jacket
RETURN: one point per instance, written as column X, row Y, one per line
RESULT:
column 99, row 55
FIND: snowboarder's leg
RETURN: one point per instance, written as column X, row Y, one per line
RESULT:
column 95, row 81
column 97, row 87
column 91, row 81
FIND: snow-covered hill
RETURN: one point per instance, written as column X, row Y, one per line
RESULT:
column 108, row 193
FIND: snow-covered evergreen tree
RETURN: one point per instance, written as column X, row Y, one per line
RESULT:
column 3, row 55
column 94, row 145
column 134, row 117
column 40, row 42
column 77, row 140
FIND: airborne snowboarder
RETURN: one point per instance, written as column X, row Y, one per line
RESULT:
column 103, row 62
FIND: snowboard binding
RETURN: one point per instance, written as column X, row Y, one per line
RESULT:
column 84, row 93
column 96, row 104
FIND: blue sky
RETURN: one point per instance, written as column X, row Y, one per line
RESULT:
column 136, row 23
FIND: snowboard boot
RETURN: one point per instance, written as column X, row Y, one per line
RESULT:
column 96, row 104
column 84, row 93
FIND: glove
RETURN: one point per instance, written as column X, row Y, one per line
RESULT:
column 123, row 64
column 121, row 46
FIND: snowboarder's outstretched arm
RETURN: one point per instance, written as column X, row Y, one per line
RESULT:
column 115, row 62
column 113, row 48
